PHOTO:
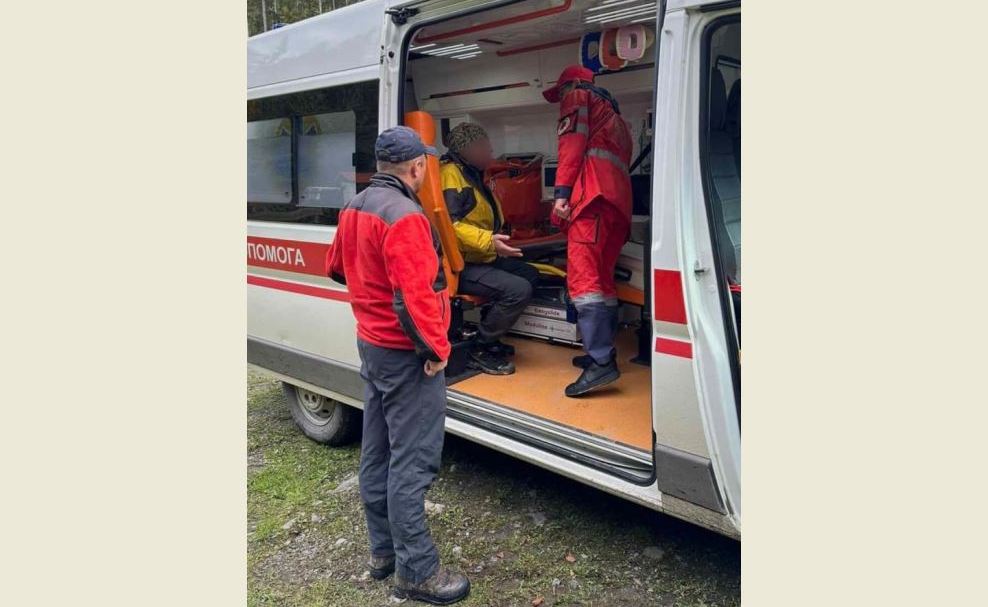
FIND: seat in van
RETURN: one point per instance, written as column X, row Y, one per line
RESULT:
column 725, row 177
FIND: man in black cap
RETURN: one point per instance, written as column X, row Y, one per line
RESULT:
column 389, row 257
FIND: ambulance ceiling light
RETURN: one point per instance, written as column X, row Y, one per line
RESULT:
column 608, row 5
column 650, row 12
column 419, row 48
column 444, row 49
column 622, row 13
column 459, row 51
column 467, row 56
column 451, row 50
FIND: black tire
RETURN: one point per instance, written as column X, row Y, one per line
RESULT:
column 322, row 419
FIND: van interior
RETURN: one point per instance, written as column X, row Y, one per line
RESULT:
column 490, row 68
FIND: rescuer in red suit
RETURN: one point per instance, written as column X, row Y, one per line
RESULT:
column 593, row 207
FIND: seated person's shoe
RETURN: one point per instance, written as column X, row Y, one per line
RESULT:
column 583, row 361
column 443, row 588
column 381, row 566
column 492, row 364
column 500, row 348
column 593, row 377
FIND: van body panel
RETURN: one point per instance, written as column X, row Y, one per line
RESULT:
column 303, row 331
column 359, row 74
column 297, row 319
column 317, row 46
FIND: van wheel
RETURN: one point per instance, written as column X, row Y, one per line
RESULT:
column 321, row 418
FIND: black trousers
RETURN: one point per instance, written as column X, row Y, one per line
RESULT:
column 508, row 282
column 404, row 421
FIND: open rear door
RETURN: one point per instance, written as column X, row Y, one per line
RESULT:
column 696, row 389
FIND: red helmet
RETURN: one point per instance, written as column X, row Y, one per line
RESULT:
column 569, row 74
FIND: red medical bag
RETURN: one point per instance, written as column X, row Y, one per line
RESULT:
column 517, row 184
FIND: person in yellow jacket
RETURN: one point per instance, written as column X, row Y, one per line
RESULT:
column 493, row 268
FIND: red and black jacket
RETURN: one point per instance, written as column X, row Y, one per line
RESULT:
column 389, row 257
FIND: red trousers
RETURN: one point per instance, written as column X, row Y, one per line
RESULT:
column 594, row 240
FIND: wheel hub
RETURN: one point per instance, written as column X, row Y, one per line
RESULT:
column 316, row 407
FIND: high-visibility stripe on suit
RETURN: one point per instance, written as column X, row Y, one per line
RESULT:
column 595, row 148
column 594, row 153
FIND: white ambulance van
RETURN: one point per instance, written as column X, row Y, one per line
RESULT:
column 667, row 434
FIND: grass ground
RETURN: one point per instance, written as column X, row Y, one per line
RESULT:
column 525, row 536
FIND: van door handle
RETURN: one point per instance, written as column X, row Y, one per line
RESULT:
column 699, row 270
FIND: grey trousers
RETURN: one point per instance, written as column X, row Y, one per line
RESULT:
column 404, row 420
column 508, row 283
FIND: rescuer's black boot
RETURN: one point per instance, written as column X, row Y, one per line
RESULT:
column 593, row 377
column 583, row 361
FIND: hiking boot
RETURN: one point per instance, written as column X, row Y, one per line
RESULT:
column 381, row 566
column 443, row 588
column 499, row 348
column 583, row 361
column 490, row 363
column 593, row 377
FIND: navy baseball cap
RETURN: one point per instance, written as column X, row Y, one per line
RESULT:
column 399, row 144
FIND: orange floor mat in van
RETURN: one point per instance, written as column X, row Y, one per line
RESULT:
column 620, row 412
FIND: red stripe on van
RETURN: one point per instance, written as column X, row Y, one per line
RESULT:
column 669, row 303
column 683, row 349
column 294, row 287
column 292, row 255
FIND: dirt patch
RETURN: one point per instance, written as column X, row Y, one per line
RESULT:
column 519, row 532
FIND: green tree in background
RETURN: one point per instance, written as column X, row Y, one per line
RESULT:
column 262, row 15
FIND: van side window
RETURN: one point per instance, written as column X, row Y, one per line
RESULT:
column 327, row 170
column 309, row 153
column 269, row 161
column 721, row 154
